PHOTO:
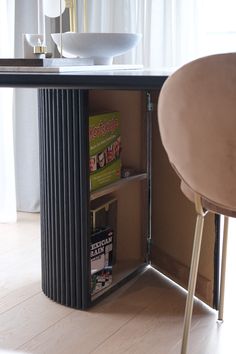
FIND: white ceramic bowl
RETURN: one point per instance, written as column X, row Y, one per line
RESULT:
column 101, row 47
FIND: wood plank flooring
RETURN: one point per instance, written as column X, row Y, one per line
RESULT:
column 144, row 316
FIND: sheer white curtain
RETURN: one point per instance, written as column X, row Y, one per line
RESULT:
column 183, row 30
column 26, row 118
column 171, row 28
column 120, row 16
column 7, row 168
column 19, row 177
column 174, row 31
column 218, row 26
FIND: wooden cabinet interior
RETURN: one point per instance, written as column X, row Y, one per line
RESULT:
column 173, row 216
column 130, row 193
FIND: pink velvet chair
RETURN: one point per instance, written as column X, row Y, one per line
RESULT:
column 197, row 119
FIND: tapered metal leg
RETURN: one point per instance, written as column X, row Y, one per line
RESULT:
column 223, row 269
column 192, row 281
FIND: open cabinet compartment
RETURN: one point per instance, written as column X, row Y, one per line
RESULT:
column 173, row 216
column 130, row 193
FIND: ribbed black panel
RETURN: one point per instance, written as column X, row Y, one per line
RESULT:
column 63, row 126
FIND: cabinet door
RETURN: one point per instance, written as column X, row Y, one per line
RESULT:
column 173, row 226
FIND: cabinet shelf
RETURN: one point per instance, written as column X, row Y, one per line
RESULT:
column 120, row 271
column 117, row 185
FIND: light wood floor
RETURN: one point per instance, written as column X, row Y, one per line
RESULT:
column 145, row 316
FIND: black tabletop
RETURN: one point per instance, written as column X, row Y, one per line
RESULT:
column 116, row 79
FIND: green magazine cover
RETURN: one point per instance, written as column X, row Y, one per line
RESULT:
column 105, row 149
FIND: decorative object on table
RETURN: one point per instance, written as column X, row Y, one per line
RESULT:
column 101, row 47
column 33, row 46
column 43, row 62
column 84, row 49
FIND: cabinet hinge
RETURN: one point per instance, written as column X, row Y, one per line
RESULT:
column 149, row 116
column 149, row 103
column 149, row 246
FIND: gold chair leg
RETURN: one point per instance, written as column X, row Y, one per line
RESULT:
column 192, row 281
column 223, row 269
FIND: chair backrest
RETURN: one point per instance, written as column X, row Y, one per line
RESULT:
column 197, row 120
